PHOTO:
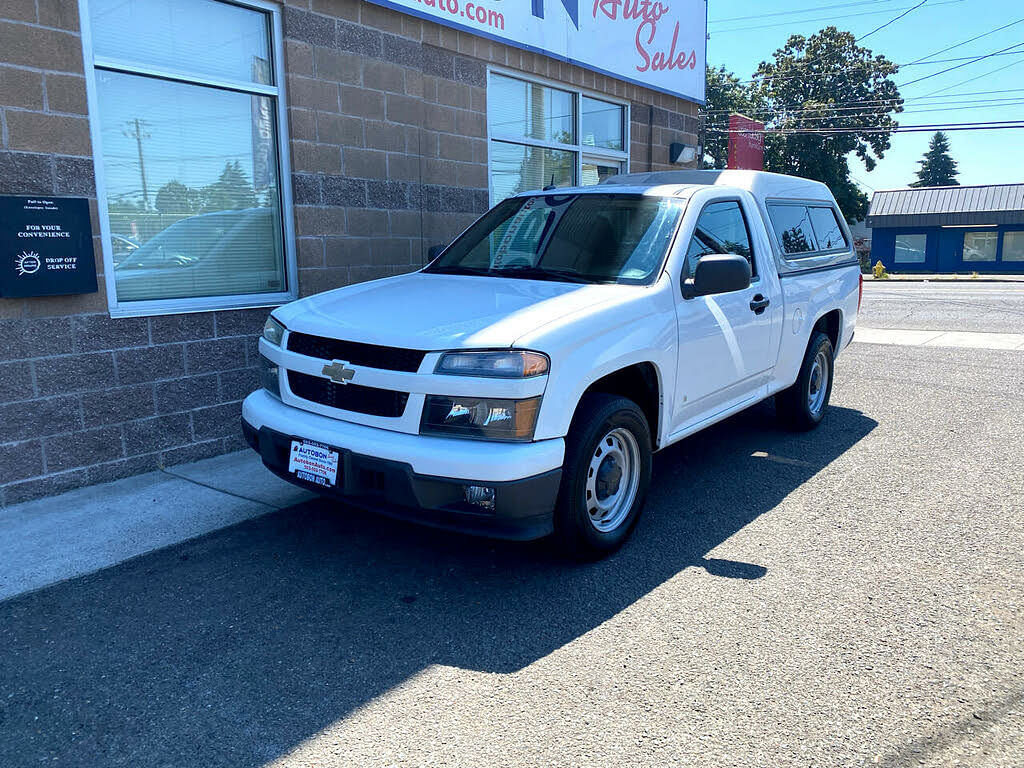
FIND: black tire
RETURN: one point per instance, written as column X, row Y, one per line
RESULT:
column 794, row 405
column 598, row 418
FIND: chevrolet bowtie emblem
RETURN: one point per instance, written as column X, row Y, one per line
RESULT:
column 338, row 373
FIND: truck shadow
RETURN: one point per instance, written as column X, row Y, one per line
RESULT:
column 233, row 648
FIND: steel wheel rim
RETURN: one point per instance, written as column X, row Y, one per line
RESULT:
column 613, row 477
column 817, row 383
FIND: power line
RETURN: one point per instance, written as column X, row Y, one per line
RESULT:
column 833, row 19
column 823, row 118
column 867, row 64
column 796, row 12
column 970, row 40
column 977, row 126
column 845, row 104
column 808, row 62
column 976, row 77
column 892, row 21
column 842, row 108
column 958, row 66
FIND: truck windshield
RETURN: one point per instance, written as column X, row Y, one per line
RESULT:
column 588, row 238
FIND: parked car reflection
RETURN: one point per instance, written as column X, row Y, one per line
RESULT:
column 123, row 247
column 227, row 252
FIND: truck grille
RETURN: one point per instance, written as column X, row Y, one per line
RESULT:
column 348, row 397
column 356, row 353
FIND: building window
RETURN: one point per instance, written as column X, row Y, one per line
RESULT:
column 910, row 249
column 542, row 135
column 187, row 125
column 1013, row 246
column 980, row 246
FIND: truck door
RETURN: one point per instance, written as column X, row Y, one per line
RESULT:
column 727, row 342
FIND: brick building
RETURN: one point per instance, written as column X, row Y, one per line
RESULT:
column 237, row 156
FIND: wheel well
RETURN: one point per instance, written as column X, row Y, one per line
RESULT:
column 639, row 383
column 830, row 324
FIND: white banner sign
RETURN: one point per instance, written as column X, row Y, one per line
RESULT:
column 658, row 44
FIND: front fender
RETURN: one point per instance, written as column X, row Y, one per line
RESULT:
column 584, row 352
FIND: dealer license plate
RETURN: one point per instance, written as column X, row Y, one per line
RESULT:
column 313, row 462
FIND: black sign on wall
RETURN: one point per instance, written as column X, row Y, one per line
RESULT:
column 45, row 246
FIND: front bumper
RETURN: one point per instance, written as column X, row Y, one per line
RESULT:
column 523, row 506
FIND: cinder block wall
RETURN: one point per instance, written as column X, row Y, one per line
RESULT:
column 387, row 116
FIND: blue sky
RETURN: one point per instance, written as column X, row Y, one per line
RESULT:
column 984, row 157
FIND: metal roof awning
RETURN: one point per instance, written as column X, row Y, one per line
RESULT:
column 947, row 206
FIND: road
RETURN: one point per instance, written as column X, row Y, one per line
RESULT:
column 959, row 306
column 852, row 596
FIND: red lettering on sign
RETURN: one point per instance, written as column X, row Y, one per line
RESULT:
column 662, row 60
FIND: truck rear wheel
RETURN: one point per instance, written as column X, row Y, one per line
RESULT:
column 605, row 476
column 802, row 406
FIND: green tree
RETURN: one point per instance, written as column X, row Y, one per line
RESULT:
column 231, row 191
column 175, row 197
column 827, row 97
column 724, row 95
column 938, row 168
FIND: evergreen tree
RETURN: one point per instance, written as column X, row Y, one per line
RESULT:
column 231, row 191
column 938, row 168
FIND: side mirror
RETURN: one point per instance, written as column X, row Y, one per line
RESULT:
column 717, row 274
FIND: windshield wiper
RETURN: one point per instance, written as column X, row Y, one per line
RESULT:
column 455, row 269
column 541, row 273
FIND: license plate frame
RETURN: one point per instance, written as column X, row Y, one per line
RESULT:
column 314, row 462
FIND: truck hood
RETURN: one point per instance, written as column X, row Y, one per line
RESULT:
column 433, row 312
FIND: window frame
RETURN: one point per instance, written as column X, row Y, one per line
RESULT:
column 755, row 271
column 583, row 152
column 92, row 62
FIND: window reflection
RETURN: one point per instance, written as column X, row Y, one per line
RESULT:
column 910, row 249
column 721, row 229
column 602, row 123
column 191, row 182
column 793, row 228
column 519, row 168
column 204, row 37
column 980, row 246
column 827, row 230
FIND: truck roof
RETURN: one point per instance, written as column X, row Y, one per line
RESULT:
column 761, row 184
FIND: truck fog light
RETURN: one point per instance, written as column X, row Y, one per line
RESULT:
column 270, row 378
column 480, row 496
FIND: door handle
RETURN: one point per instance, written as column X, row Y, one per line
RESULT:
column 759, row 304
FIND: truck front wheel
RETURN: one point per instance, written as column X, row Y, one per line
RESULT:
column 802, row 406
column 605, row 476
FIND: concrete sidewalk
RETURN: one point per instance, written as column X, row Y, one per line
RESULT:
column 945, row 278
column 48, row 540
column 961, row 339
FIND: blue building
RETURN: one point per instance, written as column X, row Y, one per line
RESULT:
column 949, row 229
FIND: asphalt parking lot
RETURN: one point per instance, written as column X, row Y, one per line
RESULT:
column 852, row 596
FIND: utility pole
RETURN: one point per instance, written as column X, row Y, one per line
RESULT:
column 137, row 131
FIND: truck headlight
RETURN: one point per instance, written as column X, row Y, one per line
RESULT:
column 508, row 364
column 480, row 418
column 270, row 376
column 273, row 331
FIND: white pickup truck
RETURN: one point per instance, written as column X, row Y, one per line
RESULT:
column 519, row 383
